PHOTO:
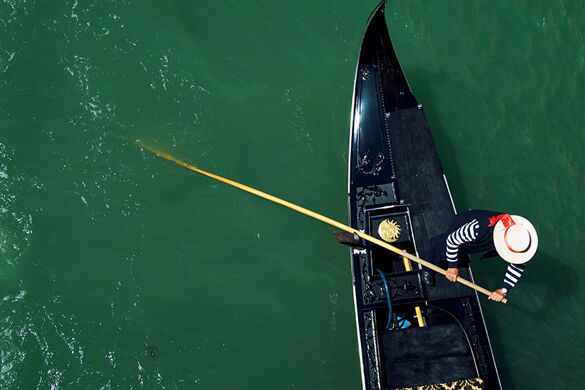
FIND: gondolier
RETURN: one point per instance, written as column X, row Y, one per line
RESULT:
column 512, row 237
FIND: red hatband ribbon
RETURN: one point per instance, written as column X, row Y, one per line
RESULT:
column 508, row 223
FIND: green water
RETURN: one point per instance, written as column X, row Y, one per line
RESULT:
column 109, row 255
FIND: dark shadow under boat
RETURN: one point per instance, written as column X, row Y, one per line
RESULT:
column 398, row 192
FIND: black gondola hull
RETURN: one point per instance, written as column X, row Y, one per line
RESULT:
column 395, row 174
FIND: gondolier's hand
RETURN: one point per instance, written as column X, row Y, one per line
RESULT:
column 452, row 274
column 497, row 295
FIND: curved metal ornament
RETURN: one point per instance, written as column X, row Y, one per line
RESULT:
column 390, row 230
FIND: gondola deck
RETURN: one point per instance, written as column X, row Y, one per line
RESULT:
column 395, row 174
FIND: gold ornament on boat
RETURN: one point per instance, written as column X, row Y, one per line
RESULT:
column 389, row 230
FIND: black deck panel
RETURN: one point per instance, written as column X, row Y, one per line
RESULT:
column 420, row 182
column 418, row 356
column 419, row 173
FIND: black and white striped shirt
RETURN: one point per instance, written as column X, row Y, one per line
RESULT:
column 513, row 273
column 468, row 233
column 465, row 233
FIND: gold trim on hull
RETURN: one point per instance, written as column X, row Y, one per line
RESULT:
column 464, row 384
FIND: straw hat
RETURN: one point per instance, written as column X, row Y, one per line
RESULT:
column 515, row 239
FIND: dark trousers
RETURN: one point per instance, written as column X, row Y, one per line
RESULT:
column 437, row 253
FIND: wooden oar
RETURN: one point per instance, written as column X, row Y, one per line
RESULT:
column 315, row 215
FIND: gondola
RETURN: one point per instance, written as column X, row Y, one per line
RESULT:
column 410, row 334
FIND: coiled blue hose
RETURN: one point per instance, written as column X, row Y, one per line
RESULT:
column 400, row 322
